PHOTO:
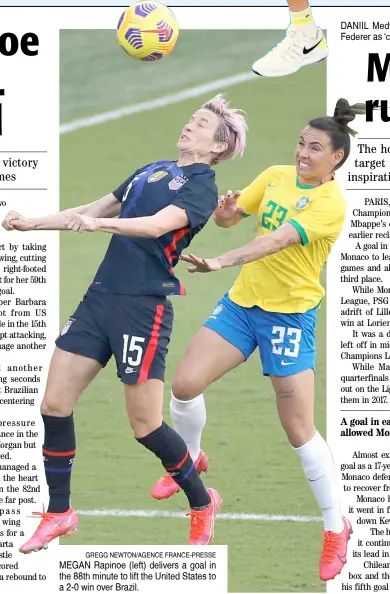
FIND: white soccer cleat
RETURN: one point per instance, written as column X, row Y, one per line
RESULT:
column 296, row 50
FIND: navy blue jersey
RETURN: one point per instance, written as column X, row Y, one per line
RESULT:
column 144, row 266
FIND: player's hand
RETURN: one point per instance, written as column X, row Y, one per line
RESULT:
column 201, row 264
column 13, row 220
column 227, row 207
column 80, row 223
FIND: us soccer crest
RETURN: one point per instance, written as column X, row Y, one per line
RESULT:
column 302, row 202
column 156, row 176
column 177, row 182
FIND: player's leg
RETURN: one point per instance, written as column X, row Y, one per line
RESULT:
column 224, row 342
column 304, row 44
column 144, row 403
column 139, row 337
column 207, row 358
column 287, row 350
column 295, row 404
column 78, row 357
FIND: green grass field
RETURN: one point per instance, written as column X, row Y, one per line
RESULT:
column 251, row 462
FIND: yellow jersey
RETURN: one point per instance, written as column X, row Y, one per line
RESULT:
column 288, row 281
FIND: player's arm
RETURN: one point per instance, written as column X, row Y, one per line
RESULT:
column 284, row 237
column 319, row 220
column 108, row 206
column 278, row 240
column 191, row 207
column 168, row 219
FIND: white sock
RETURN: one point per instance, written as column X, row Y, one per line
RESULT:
column 318, row 466
column 303, row 21
column 189, row 418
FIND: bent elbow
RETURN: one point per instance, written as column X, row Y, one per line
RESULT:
column 155, row 232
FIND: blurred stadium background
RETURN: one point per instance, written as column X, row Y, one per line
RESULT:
column 252, row 464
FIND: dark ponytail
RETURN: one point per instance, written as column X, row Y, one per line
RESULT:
column 337, row 127
column 345, row 113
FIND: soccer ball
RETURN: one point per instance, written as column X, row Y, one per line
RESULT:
column 147, row 31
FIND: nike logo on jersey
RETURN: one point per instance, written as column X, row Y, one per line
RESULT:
column 307, row 51
column 126, row 194
column 130, row 370
column 284, row 363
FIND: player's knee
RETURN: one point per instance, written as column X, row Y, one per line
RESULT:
column 299, row 432
column 143, row 425
column 55, row 407
column 186, row 386
column 142, row 429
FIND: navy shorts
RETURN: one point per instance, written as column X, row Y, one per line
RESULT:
column 286, row 342
column 135, row 329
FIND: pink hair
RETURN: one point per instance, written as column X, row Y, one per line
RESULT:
column 232, row 128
